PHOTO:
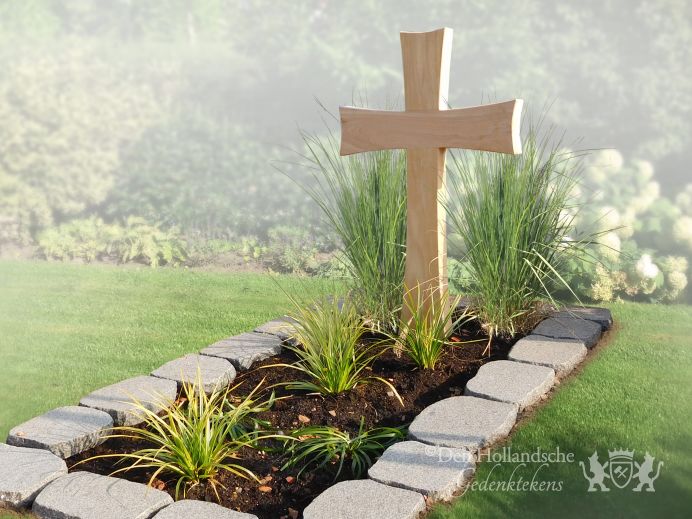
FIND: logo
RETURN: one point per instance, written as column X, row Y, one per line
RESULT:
column 621, row 469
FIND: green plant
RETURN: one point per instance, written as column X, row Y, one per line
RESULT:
column 251, row 249
column 241, row 413
column 335, row 266
column 424, row 337
column 316, row 446
column 156, row 246
column 203, row 251
column 513, row 214
column 329, row 348
column 193, row 438
column 291, row 250
column 92, row 239
column 88, row 239
column 364, row 200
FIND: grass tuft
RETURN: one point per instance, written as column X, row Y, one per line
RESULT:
column 330, row 352
column 424, row 337
column 194, row 438
column 317, row 446
column 364, row 200
column 514, row 214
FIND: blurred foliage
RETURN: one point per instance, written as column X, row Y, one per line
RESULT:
column 65, row 115
column 203, row 175
column 286, row 249
column 644, row 251
column 619, row 68
column 251, row 249
column 336, row 266
column 291, row 249
column 23, row 210
column 91, row 239
column 174, row 111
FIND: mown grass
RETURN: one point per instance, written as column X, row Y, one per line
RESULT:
column 66, row 329
column 636, row 394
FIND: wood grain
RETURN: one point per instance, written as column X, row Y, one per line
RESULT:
column 426, row 59
column 493, row 127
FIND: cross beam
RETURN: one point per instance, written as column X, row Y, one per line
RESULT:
column 487, row 128
column 426, row 129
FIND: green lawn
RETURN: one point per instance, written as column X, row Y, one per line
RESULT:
column 68, row 329
column 636, row 394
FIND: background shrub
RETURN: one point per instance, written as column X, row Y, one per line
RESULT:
column 150, row 243
column 292, row 250
column 64, row 142
column 23, row 211
column 91, row 239
column 644, row 250
column 205, row 175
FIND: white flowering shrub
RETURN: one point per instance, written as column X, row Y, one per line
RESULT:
column 645, row 239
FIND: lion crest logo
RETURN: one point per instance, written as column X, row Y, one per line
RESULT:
column 645, row 473
column 597, row 479
column 621, row 469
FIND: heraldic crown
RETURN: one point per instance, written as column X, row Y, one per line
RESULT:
column 622, row 453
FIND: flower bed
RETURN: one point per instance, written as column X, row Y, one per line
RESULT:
column 281, row 490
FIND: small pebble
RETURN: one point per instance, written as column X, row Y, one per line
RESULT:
column 332, row 412
column 265, row 488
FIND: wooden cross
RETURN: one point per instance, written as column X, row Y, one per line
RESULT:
column 425, row 129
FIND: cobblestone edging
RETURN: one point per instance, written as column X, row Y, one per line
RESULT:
column 405, row 478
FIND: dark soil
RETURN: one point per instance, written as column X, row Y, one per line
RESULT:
column 282, row 494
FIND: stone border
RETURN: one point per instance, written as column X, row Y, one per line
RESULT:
column 400, row 483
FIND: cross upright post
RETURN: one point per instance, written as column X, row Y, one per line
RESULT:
column 426, row 129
